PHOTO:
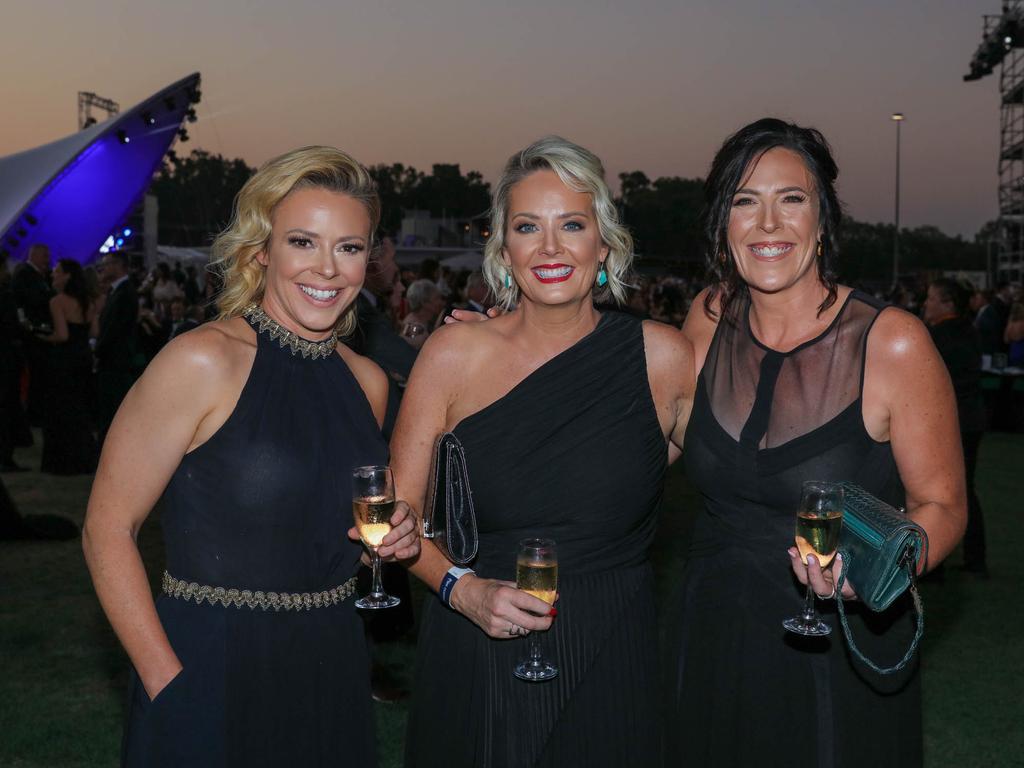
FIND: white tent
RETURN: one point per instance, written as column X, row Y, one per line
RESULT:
column 72, row 194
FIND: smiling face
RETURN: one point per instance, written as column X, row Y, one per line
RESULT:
column 773, row 226
column 552, row 245
column 315, row 260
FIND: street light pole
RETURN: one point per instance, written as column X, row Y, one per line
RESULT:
column 897, row 118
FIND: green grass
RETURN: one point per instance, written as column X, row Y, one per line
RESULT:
column 62, row 689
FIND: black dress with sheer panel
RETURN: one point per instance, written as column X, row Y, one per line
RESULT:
column 743, row 691
column 264, row 506
column 573, row 453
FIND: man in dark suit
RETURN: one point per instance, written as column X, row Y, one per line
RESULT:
column 32, row 292
column 14, row 428
column 115, row 345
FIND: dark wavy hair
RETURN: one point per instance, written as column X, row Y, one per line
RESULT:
column 955, row 292
column 731, row 164
column 77, row 287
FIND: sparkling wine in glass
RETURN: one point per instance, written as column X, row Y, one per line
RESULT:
column 818, row 523
column 373, row 502
column 537, row 574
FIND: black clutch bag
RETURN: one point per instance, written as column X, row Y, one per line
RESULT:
column 449, row 520
column 881, row 548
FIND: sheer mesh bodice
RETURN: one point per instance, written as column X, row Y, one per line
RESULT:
column 792, row 400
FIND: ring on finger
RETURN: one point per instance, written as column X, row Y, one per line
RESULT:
column 830, row 595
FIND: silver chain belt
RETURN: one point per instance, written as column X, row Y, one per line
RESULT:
column 244, row 598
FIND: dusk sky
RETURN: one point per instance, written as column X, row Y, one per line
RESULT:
column 646, row 84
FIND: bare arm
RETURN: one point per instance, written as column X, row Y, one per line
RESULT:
column 154, row 427
column 671, row 375
column 910, row 379
column 433, row 385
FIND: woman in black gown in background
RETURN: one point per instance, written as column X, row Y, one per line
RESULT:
column 69, row 445
column 565, row 415
column 247, row 429
column 800, row 379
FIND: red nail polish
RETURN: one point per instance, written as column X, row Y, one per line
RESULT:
column 553, row 612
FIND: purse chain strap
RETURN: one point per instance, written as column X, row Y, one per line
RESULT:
column 918, row 606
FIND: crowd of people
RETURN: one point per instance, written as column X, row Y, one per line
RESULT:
column 74, row 338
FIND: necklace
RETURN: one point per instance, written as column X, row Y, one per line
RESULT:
column 285, row 338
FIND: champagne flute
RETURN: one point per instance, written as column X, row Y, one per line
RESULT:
column 537, row 574
column 818, row 522
column 373, row 502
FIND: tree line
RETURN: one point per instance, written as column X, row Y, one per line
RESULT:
column 196, row 194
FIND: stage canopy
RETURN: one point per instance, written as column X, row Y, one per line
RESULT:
column 74, row 193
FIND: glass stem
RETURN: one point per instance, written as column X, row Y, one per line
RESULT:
column 809, row 614
column 534, row 649
column 377, row 590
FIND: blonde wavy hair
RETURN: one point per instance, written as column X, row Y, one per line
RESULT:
column 580, row 170
column 235, row 249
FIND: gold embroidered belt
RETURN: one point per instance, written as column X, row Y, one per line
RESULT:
column 267, row 601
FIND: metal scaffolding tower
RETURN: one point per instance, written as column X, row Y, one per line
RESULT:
column 86, row 101
column 1003, row 45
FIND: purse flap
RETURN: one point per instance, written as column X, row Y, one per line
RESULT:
column 880, row 546
column 452, row 521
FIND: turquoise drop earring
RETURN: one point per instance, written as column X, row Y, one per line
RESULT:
column 602, row 278
column 508, row 279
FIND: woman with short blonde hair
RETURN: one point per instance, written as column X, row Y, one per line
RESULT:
column 565, row 415
column 247, row 430
column 580, row 170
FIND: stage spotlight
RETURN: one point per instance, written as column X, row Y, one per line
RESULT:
column 182, row 134
column 127, row 232
column 148, row 119
column 190, row 115
column 123, row 137
column 195, row 95
column 22, row 232
column 170, row 103
column 119, row 242
column 32, row 220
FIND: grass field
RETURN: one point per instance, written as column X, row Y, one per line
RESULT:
column 63, row 680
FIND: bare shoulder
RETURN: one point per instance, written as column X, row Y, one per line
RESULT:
column 371, row 377
column 463, row 344
column 670, row 358
column 209, row 354
column 664, row 341
column 899, row 338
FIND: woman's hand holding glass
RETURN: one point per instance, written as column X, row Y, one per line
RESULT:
column 403, row 540
column 500, row 609
column 822, row 580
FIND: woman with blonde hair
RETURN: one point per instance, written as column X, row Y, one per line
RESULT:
column 246, row 431
column 565, row 415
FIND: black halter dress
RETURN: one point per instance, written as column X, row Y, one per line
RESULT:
column 265, row 505
column 743, row 690
column 574, row 453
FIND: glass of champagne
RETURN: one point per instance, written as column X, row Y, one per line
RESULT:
column 818, row 522
column 537, row 574
column 373, row 502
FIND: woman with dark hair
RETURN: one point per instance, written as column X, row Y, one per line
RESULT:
column 800, row 378
column 69, row 445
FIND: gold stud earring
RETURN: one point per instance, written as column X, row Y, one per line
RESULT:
column 820, row 248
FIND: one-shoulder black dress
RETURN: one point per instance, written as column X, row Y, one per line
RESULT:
column 743, row 691
column 265, row 505
column 574, row 453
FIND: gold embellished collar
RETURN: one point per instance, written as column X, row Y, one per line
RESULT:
column 285, row 338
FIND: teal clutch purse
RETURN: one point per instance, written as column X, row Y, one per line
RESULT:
column 881, row 549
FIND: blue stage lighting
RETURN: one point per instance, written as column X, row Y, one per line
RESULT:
column 127, row 232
